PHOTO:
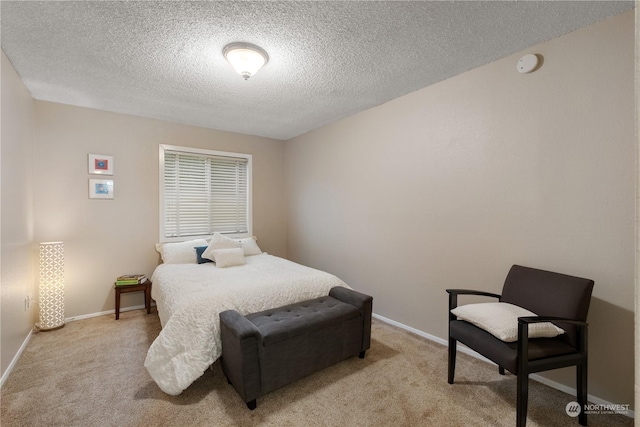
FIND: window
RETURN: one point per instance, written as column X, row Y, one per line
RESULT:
column 203, row 191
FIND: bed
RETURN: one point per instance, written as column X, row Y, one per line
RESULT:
column 190, row 296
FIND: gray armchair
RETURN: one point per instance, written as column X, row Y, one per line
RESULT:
column 561, row 299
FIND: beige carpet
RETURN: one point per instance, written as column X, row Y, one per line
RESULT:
column 91, row 373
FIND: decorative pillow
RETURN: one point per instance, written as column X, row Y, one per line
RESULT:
column 500, row 319
column 199, row 251
column 229, row 257
column 218, row 241
column 250, row 246
column 179, row 252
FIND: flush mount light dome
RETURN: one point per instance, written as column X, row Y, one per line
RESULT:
column 246, row 58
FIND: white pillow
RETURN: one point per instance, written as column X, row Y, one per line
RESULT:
column 250, row 246
column 218, row 241
column 229, row 257
column 180, row 252
column 500, row 319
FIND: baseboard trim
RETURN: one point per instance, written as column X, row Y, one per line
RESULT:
column 15, row 358
column 553, row 384
column 104, row 313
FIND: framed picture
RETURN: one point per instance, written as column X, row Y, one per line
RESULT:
column 101, row 189
column 99, row 164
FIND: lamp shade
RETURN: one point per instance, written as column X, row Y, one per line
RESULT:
column 51, row 288
column 245, row 58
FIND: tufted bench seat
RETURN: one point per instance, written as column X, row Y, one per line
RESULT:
column 267, row 350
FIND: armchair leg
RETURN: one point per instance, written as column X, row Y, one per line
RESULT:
column 581, row 370
column 521, row 400
column 452, row 359
column 500, row 370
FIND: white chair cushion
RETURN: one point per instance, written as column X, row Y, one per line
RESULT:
column 500, row 319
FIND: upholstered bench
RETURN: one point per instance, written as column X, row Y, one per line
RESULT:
column 267, row 350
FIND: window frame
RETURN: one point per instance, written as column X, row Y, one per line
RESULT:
column 205, row 152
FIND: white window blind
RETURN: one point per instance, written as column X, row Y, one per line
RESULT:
column 204, row 192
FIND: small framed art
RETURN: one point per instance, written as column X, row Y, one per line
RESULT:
column 99, row 164
column 101, row 189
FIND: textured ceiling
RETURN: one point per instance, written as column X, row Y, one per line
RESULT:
column 328, row 60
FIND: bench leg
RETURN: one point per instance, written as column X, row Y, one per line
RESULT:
column 252, row 405
column 361, row 355
column 147, row 298
column 117, row 303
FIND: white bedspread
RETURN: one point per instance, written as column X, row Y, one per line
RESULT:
column 190, row 298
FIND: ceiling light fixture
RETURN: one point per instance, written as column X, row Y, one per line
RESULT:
column 246, row 58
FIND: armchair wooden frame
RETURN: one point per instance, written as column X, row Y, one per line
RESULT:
column 574, row 354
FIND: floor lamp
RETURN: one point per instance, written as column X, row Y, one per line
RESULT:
column 51, row 286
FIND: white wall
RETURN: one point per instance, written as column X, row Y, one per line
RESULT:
column 107, row 238
column 17, row 249
column 447, row 187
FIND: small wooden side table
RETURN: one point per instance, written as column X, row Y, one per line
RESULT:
column 123, row 289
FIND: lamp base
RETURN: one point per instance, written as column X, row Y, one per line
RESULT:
column 51, row 329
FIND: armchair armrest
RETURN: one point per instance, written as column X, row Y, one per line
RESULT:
column 523, row 331
column 542, row 319
column 453, row 297
column 524, row 322
column 472, row 292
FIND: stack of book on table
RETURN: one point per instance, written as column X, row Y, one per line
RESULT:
column 131, row 279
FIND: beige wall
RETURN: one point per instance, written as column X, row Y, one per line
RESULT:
column 447, row 187
column 637, row 346
column 17, row 279
column 106, row 238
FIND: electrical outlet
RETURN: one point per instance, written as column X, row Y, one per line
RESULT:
column 27, row 302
